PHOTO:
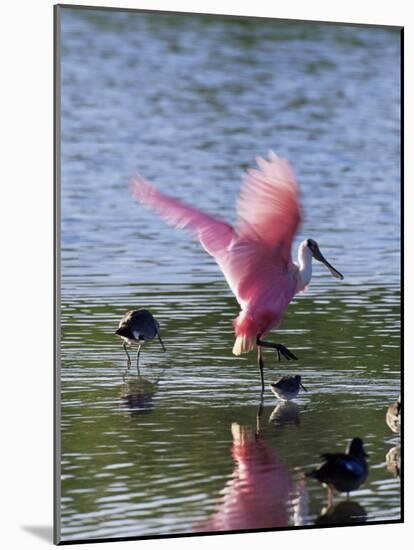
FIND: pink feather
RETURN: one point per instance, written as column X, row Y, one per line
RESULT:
column 255, row 257
column 213, row 233
column 257, row 493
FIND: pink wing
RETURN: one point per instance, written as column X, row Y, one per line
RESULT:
column 257, row 263
column 214, row 234
column 268, row 207
column 261, row 283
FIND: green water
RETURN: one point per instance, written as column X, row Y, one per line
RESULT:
column 189, row 102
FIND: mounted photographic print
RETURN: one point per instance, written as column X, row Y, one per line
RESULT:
column 228, row 314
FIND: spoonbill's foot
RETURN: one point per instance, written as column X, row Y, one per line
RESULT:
column 287, row 354
column 280, row 349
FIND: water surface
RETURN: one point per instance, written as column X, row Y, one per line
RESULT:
column 189, row 102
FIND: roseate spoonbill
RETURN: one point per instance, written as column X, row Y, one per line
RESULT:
column 255, row 255
column 287, row 387
column 136, row 327
column 393, row 416
column 343, row 471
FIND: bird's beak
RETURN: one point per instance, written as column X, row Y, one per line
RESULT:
column 303, row 387
column 161, row 342
column 317, row 254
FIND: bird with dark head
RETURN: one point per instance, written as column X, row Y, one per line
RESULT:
column 344, row 472
column 287, row 387
column 135, row 328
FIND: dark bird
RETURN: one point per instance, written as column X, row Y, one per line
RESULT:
column 393, row 416
column 287, row 387
column 136, row 327
column 344, row 472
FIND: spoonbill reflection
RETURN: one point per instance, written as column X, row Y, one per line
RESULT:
column 256, row 495
column 255, row 255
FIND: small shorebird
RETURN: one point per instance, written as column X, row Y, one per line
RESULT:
column 393, row 416
column 344, row 472
column 287, row 387
column 136, row 327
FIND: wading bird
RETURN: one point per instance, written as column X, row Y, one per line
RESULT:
column 344, row 472
column 136, row 327
column 255, row 255
column 287, row 387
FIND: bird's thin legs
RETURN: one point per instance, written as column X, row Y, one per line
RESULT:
column 261, row 364
column 161, row 342
column 330, row 496
column 287, row 354
column 138, row 352
column 129, row 358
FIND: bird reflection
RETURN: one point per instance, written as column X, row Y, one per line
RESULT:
column 256, row 495
column 137, row 394
column 393, row 416
column 285, row 413
column 300, row 501
column 393, row 419
column 393, row 460
column 347, row 511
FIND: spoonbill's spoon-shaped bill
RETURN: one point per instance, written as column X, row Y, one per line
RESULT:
column 317, row 254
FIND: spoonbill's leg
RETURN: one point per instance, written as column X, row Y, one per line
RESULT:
column 330, row 496
column 258, row 416
column 261, row 365
column 287, row 354
column 138, row 352
column 129, row 358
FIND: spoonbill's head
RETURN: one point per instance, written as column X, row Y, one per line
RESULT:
column 317, row 254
